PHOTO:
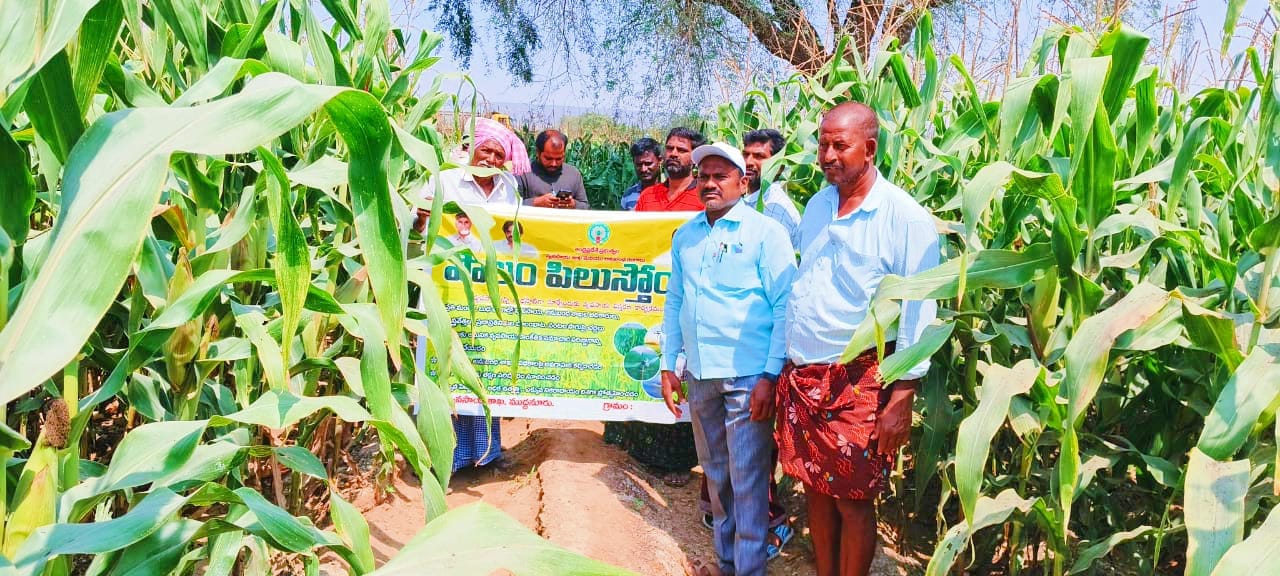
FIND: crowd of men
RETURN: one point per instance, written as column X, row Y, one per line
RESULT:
column 753, row 335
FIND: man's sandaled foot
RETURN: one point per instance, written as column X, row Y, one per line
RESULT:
column 703, row 568
column 677, row 479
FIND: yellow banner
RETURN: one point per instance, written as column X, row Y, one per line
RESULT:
column 591, row 286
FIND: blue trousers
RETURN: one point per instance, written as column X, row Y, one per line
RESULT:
column 735, row 457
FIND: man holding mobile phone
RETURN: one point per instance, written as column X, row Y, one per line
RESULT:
column 551, row 183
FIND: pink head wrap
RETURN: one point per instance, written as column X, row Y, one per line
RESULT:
column 517, row 155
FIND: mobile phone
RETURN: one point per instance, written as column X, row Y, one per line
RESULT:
column 563, row 194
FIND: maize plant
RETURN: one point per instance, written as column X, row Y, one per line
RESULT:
column 205, row 269
column 1106, row 363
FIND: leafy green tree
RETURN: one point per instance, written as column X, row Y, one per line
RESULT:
column 698, row 34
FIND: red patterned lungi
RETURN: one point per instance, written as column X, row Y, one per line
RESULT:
column 826, row 418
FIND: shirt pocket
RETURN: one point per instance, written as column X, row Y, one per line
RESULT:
column 736, row 271
column 857, row 274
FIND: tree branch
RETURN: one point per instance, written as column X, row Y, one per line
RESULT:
column 903, row 18
column 785, row 33
column 860, row 23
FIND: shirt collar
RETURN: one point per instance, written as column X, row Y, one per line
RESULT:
column 872, row 202
column 499, row 179
column 733, row 215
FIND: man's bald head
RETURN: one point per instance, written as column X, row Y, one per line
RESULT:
column 854, row 116
column 847, row 143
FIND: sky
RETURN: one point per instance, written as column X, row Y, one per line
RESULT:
column 550, row 99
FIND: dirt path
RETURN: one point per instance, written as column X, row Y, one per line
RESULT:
column 569, row 486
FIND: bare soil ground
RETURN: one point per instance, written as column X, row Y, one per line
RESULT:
column 569, row 486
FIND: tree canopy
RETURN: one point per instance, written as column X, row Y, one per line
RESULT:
column 704, row 33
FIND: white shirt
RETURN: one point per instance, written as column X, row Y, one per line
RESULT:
column 508, row 248
column 843, row 259
column 778, row 205
column 460, row 186
column 470, row 241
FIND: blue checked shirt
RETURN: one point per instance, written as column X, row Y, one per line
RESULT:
column 778, row 205
column 843, row 259
column 728, row 294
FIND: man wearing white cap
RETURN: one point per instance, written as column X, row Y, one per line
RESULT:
column 731, row 271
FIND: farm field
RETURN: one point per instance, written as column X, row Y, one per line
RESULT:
column 207, row 338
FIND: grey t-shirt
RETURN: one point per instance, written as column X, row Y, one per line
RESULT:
column 538, row 182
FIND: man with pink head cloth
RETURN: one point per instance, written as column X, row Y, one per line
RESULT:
column 495, row 147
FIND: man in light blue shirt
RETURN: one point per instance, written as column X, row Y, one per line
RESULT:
column 840, row 428
column 731, row 270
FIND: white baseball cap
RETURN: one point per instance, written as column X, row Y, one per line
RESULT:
column 722, row 150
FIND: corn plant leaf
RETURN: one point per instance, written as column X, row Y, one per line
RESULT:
column 1188, row 149
column 145, row 454
column 285, row 55
column 882, row 317
column 32, row 33
column 896, row 365
column 374, row 376
column 1087, row 354
column 208, row 463
column 265, row 18
column 973, row 443
column 187, row 20
column 277, row 410
column 284, row 530
column 939, row 423
column 343, row 15
column 353, row 529
column 402, row 433
column 159, row 553
column 435, row 424
column 1087, row 357
column 1212, row 332
column 93, row 46
column 326, row 173
column 1085, row 77
column 1234, row 9
column 300, row 459
column 1089, row 555
column 1094, row 180
column 155, row 510
column 1251, row 390
column 292, row 263
column 438, row 331
column 270, row 355
column 977, row 196
column 987, row 512
column 1126, row 47
column 191, row 304
column 216, row 81
column 1257, row 554
column 114, row 177
column 235, row 229
column 989, row 269
column 1214, row 509
column 17, row 191
column 507, row 546
column 51, row 106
